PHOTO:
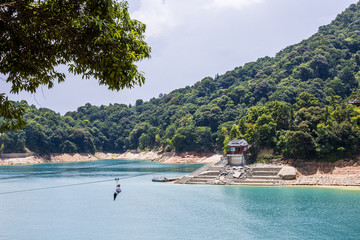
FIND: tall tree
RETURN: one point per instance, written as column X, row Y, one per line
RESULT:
column 95, row 38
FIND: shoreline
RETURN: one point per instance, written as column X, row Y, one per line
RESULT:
column 166, row 158
column 339, row 174
column 347, row 188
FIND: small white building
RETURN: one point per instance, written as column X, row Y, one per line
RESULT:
column 237, row 149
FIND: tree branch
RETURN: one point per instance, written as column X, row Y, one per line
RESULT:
column 10, row 4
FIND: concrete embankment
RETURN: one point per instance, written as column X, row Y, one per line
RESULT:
column 223, row 174
column 339, row 174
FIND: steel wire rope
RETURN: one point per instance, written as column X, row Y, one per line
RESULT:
column 57, row 171
column 71, row 185
column 69, row 170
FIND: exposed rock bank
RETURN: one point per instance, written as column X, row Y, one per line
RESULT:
column 170, row 157
column 149, row 156
column 339, row 173
column 49, row 158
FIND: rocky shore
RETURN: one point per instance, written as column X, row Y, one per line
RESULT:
column 169, row 158
column 340, row 173
column 172, row 158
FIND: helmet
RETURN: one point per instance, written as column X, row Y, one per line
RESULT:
column 118, row 185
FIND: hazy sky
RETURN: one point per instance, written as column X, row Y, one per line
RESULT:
column 193, row 39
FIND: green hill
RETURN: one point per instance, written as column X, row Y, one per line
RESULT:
column 293, row 103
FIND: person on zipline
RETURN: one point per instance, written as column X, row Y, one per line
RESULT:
column 117, row 191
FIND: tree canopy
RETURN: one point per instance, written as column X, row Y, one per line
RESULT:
column 295, row 103
column 94, row 38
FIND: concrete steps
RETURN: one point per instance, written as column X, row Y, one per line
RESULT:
column 200, row 170
column 259, row 176
column 197, row 180
column 210, row 173
column 204, row 175
column 183, row 180
column 201, row 180
column 264, row 176
column 264, row 173
column 190, row 182
column 275, row 168
column 258, row 181
column 216, row 168
column 204, row 178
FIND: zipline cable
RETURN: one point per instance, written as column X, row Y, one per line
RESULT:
column 69, row 185
column 3, row 180
column 58, row 171
column 59, row 186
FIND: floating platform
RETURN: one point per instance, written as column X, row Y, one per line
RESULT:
column 164, row 179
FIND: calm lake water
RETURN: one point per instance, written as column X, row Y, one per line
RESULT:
column 31, row 207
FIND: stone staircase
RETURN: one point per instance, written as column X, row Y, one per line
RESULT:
column 259, row 175
column 204, row 175
column 264, row 176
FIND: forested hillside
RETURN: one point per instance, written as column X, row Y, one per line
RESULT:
column 295, row 103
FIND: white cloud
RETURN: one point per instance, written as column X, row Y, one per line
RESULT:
column 234, row 4
column 163, row 15
column 157, row 15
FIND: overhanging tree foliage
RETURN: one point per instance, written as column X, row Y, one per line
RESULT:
column 95, row 38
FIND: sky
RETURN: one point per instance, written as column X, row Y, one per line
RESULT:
column 194, row 39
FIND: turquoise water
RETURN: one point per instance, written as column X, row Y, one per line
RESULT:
column 147, row 210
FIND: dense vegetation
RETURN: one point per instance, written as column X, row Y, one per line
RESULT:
column 294, row 103
column 95, row 38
